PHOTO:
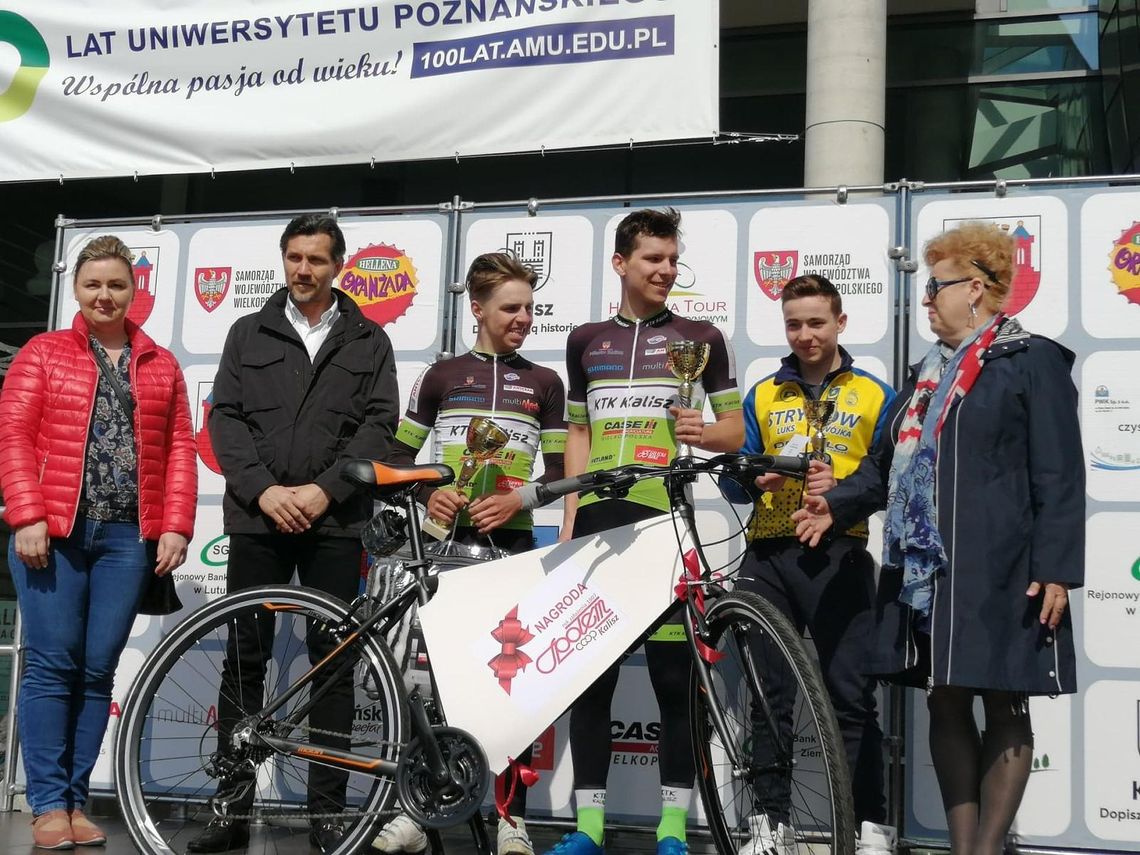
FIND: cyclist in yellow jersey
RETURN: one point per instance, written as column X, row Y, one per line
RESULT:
column 828, row 590
column 622, row 407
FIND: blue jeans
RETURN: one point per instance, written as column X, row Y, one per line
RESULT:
column 76, row 616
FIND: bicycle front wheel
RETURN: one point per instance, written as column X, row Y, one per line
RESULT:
column 175, row 751
column 770, row 760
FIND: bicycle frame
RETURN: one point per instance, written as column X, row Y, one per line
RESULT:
column 678, row 480
column 578, row 608
column 378, row 623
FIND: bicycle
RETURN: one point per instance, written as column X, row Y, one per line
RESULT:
column 172, row 771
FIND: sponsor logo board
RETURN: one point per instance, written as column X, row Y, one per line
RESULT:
column 1110, row 424
column 560, row 250
column 846, row 244
column 1112, row 760
column 1110, row 264
column 1040, row 284
column 705, row 287
column 1112, row 590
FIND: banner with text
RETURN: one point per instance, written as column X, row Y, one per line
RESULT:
column 148, row 87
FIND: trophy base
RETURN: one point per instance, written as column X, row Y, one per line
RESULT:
column 434, row 529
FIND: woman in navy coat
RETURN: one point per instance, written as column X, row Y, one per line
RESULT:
column 982, row 477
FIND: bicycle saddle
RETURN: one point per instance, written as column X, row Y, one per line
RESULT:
column 392, row 477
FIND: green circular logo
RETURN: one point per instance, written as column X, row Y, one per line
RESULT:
column 34, row 60
column 216, row 553
column 1136, row 570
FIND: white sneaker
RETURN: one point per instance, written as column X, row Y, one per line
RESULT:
column 401, row 835
column 765, row 841
column 875, row 839
column 513, row 840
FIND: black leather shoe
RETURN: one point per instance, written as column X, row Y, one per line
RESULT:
column 221, row 835
column 326, row 834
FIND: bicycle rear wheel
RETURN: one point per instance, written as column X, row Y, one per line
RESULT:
column 168, row 762
column 781, row 755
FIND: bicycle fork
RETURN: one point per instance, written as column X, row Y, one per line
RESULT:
column 736, row 754
column 694, row 629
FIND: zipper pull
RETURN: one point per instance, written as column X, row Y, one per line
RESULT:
column 929, row 685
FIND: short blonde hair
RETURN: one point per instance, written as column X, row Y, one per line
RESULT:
column 492, row 269
column 106, row 246
column 981, row 249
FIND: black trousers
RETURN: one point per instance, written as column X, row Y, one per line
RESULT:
column 329, row 564
column 829, row 591
column 669, row 666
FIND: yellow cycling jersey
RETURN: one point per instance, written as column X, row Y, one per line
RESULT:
column 774, row 413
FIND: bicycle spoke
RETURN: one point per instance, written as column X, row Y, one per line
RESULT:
column 767, row 692
column 170, row 757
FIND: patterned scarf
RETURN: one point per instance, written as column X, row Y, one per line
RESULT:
column 910, row 534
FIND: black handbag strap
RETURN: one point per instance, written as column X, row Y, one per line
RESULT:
column 124, row 399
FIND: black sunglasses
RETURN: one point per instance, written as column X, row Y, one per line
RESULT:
column 933, row 285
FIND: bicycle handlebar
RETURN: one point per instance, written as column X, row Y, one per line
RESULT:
column 746, row 466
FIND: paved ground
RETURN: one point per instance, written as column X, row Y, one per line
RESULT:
column 16, row 838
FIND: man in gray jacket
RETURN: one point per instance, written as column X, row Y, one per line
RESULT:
column 304, row 384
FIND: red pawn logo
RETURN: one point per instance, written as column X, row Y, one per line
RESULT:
column 1026, row 277
column 143, row 303
column 202, row 437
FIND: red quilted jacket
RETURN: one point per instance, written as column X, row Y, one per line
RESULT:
column 45, row 413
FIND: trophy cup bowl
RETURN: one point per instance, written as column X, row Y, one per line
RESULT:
column 484, row 440
column 687, row 361
column 818, row 414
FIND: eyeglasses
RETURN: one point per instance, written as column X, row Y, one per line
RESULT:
column 933, row 285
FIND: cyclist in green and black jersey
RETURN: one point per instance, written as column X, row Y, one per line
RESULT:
column 526, row 400
column 622, row 408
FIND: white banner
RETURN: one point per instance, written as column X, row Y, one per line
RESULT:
column 548, row 623
column 159, row 86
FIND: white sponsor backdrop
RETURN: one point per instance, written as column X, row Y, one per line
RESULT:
column 207, row 274
column 718, row 282
column 394, row 268
column 1077, row 280
column 159, row 86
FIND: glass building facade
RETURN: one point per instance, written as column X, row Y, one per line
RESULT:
column 1120, row 87
column 1012, row 94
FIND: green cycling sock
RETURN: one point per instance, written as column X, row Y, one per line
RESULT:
column 592, row 823
column 672, row 823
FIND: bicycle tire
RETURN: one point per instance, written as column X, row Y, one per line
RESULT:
column 819, row 807
column 166, row 705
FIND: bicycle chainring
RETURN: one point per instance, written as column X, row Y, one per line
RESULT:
column 457, row 799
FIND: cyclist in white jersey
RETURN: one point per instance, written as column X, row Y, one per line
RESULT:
column 526, row 400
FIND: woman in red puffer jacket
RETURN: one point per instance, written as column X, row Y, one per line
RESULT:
column 99, row 478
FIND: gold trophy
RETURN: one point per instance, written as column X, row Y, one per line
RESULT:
column 484, row 439
column 687, row 360
column 818, row 414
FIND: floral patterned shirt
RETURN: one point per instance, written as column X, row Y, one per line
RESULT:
column 111, row 475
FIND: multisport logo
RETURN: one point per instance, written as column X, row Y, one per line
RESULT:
column 34, row 61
